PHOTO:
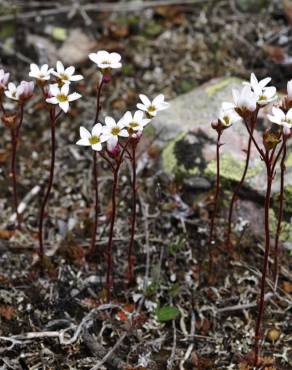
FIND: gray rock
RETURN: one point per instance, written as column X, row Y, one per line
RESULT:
column 189, row 142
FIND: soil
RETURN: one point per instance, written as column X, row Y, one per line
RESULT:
column 181, row 314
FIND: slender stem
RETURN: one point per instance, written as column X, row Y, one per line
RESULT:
column 53, row 118
column 237, row 189
column 13, row 174
column 109, row 275
column 261, row 153
column 266, row 260
column 133, row 220
column 212, row 223
column 15, row 140
column 280, row 212
column 96, row 207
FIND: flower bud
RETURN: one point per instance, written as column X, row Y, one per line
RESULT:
column 114, row 152
column 25, row 90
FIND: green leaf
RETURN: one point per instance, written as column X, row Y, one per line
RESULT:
column 167, row 313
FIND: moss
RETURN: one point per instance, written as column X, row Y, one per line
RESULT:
column 171, row 163
column 231, row 169
column 213, row 89
column 168, row 158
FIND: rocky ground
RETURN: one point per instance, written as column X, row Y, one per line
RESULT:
column 177, row 315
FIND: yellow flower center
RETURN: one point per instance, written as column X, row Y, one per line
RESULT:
column 94, row 140
column 226, row 120
column 62, row 98
column 151, row 109
column 133, row 124
column 115, row 131
column 64, row 77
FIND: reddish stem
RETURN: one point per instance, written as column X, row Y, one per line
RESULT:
column 95, row 175
column 133, row 220
column 14, row 141
column 212, row 224
column 280, row 212
column 109, row 274
column 266, row 260
column 95, row 182
column 53, row 118
column 13, row 174
column 237, row 189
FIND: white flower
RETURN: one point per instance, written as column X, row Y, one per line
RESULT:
column 280, row 118
column 135, row 122
column 289, row 89
column 244, row 99
column 152, row 107
column 265, row 94
column 66, row 75
column 112, row 131
column 105, row 60
column 93, row 139
column 228, row 116
column 61, row 96
column 42, row 73
column 4, row 77
column 13, row 91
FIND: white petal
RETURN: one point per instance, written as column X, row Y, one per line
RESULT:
column 144, row 99
column 145, row 122
column 64, row 105
column 270, row 91
column 83, row 142
column 112, row 143
column 116, row 65
column 127, row 117
column 115, row 57
column 74, row 96
column 76, row 78
column 60, row 67
column 103, row 54
column 142, row 107
column 54, row 90
column 52, row 100
column 65, row 90
column 277, row 112
column 158, row 100
column 104, row 138
column 93, row 57
column 138, row 115
column 264, row 82
column 97, row 147
column 110, row 122
column 69, row 70
column 34, row 68
column 84, row 133
column 124, row 133
column 96, row 131
column 274, row 119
